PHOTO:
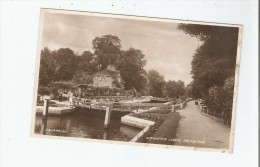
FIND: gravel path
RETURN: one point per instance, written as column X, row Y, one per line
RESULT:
column 198, row 130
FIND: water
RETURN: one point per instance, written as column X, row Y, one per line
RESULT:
column 85, row 126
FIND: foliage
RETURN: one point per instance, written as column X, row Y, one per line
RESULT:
column 47, row 67
column 188, row 90
column 61, row 66
column 107, row 49
column 206, row 32
column 44, row 90
column 156, row 117
column 60, row 85
column 65, row 64
column 82, row 78
column 131, row 66
column 86, row 62
column 90, row 91
column 215, row 60
column 229, row 93
column 174, row 89
column 215, row 100
column 220, row 99
column 156, row 83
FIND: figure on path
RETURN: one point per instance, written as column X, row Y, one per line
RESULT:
column 70, row 96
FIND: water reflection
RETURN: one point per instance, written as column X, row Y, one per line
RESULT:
column 44, row 126
column 84, row 126
column 105, row 134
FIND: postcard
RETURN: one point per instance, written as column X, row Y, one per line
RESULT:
column 135, row 80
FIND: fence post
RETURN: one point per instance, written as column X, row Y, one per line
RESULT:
column 45, row 107
column 45, row 114
column 181, row 105
column 107, row 117
column 44, row 126
column 173, row 108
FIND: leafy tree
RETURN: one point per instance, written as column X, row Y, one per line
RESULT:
column 156, row 83
column 215, row 60
column 174, row 89
column 82, row 78
column 188, row 89
column 131, row 66
column 213, row 66
column 86, row 62
column 107, row 49
column 65, row 59
column 47, row 67
column 220, row 100
column 44, row 90
column 58, row 85
column 64, row 65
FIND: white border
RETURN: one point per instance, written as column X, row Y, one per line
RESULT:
column 18, row 39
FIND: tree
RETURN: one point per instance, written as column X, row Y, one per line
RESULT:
column 131, row 66
column 188, row 89
column 65, row 59
column 47, row 67
column 220, row 100
column 107, row 49
column 65, row 65
column 215, row 60
column 86, row 62
column 156, row 83
column 82, row 78
column 174, row 89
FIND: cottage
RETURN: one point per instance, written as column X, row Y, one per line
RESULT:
column 109, row 77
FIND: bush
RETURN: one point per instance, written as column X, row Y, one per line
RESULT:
column 220, row 100
column 56, row 86
column 44, row 90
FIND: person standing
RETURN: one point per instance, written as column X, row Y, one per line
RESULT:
column 70, row 96
column 60, row 95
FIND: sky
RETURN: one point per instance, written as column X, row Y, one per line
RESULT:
column 167, row 49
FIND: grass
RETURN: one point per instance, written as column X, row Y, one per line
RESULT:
column 166, row 130
column 165, row 126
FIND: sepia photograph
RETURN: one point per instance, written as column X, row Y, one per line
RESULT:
column 136, row 80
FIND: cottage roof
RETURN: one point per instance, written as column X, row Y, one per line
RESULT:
column 108, row 72
column 113, row 74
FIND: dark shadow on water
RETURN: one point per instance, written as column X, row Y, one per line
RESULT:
column 84, row 126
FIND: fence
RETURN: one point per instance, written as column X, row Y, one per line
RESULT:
column 99, row 103
column 203, row 108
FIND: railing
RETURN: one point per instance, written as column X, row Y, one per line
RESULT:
column 205, row 110
column 120, row 106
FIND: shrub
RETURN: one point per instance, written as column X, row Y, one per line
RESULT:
column 220, row 100
column 44, row 90
column 56, row 86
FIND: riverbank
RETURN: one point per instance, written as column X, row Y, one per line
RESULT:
column 166, row 132
column 59, row 110
column 166, row 123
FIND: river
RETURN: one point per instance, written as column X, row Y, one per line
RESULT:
column 85, row 126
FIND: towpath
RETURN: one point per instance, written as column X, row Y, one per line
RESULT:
column 199, row 130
